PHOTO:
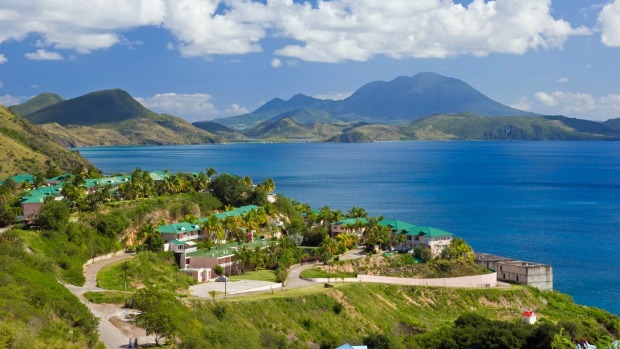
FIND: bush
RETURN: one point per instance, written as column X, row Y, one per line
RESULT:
column 281, row 274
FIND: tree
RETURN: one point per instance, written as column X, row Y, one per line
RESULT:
column 153, row 317
column 54, row 215
column 211, row 172
column 153, row 242
column 357, row 212
column 377, row 341
column 228, row 189
column 459, row 249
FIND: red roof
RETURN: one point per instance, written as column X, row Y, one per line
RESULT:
column 528, row 313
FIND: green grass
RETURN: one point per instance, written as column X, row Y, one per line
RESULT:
column 108, row 297
column 260, row 275
column 146, row 268
column 316, row 273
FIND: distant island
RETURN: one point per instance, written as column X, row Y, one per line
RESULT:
column 426, row 106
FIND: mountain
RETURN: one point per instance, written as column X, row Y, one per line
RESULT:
column 395, row 102
column 37, row 103
column 614, row 124
column 476, row 127
column 410, row 98
column 25, row 148
column 287, row 128
column 219, row 130
column 101, row 107
column 113, row 117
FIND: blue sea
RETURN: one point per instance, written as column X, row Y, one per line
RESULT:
column 550, row 202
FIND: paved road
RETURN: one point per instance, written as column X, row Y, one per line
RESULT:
column 109, row 334
column 294, row 279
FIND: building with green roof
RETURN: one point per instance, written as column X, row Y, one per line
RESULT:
column 182, row 231
column 223, row 255
column 349, row 225
column 415, row 235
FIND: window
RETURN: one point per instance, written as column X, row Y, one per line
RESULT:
column 517, row 277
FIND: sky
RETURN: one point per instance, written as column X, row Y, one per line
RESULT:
column 205, row 59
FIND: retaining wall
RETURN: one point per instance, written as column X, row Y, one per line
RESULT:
column 486, row 280
column 103, row 257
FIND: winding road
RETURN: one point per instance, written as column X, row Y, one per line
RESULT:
column 112, row 336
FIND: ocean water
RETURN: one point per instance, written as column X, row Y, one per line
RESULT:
column 550, row 202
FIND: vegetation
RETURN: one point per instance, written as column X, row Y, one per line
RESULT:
column 397, row 316
column 112, row 117
column 146, row 268
column 24, row 148
column 36, row 310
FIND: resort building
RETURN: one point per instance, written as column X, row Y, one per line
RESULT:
column 350, row 225
column 520, row 272
column 181, row 237
column 436, row 239
column 224, row 256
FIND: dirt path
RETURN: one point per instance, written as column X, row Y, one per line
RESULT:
column 114, row 329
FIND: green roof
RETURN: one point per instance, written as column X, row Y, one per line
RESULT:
column 33, row 199
column 429, row 232
column 400, row 227
column 21, row 178
column 159, row 175
column 396, row 225
column 240, row 211
column 227, row 250
column 178, row 228
column 351, row 221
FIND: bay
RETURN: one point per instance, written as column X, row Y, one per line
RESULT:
column 549, row 202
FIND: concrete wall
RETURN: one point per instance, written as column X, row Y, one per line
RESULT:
column 102, row 257
column 486, row 280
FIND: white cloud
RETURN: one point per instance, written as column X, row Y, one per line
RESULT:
column 573, row 104
column 563, row 80
column 328, row 31
column 342, row 30
column 333, row 95
column 276, row 63
column 3, row 59
column 8, row 100
column 43, row 55
column 192, row 107
column 234, row 109
column 609, row 19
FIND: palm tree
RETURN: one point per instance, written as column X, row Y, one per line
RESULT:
column 212, row 227
column 211, row 172
column 147, row 230
column 357, row 212
column 201, row 182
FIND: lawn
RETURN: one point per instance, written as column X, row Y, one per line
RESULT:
column 108, row 297
column 316, row 273
column 260, row 275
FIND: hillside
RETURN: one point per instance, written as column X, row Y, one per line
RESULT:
column 289, row 128
column 399, row 101
column 113, row 117
column 37, row 103
column 475, row 127
column 25, row 148
column 219, row 130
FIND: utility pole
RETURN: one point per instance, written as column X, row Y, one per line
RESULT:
column 125, row 269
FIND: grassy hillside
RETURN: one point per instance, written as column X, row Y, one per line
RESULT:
column 94, row 108
column 219, row 130
column 83, row 136
column 474, row 127
column 37, row 103
column 36, row 310
column 24, row 148
column 113, row 117
column 288, row 127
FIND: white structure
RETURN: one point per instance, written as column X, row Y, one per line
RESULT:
column 529, row 317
